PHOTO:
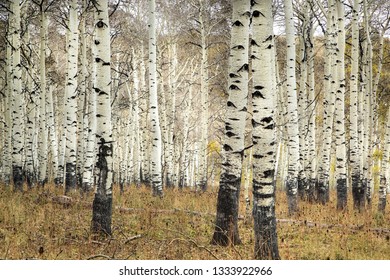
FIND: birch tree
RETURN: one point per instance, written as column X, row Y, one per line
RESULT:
column 226, row 230
column 357, row 191
column 156, row 173
column 42, row 142
column 71, row 100
column 292, row 112
column 18, row 99
column 263, row 127
column 341, row 170
column 329, row 107
column 102, row 203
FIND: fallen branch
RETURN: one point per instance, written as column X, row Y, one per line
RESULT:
column 133, row 238
column 99, row 256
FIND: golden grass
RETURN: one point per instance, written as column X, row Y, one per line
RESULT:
column 33, row 227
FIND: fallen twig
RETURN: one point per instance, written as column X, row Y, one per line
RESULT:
column 133, row 238
column 99, row 256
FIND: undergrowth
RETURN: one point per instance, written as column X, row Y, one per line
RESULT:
column 178, row 226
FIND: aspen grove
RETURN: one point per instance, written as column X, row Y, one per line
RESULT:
column 286, row 100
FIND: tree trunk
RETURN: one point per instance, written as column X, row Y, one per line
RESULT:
column 328, row 111
column 357, row 191
column 71, row 100
column 292, row 126
column 42, row 144
column 226, row 230
column 263, row 127
column 18, row 97
column 156, row 173
column 102, row 203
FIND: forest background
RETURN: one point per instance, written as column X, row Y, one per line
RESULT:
column 53, row 109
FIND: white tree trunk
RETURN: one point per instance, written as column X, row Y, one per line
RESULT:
column 17, row 96
column 71, row 99
column 263, row 129
column 156, row 175
column 341, row 169
column 226, row 230
column 357, row 191
column 292, row 125
column 52, row 134
column 328, row 111
column 204, row 92
column 102, row 203
column 42, row 144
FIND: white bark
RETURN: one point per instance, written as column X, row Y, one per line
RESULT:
column 329, row 107
column 226, row 230
column 136, row 118
column 357, row 191
column 102, row 204
column 52, row 135
column 71, row 99
column 18, row 98
column 341, row 170
column 204, row 92
column 263, row 129
column 156, row 175
column 292, row 125
column 6, row 156
column 42, row 144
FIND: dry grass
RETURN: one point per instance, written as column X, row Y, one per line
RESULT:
column 33, row 227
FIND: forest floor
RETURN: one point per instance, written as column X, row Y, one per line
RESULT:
column 41, row 224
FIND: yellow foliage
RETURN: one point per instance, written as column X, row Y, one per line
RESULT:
column 378, row 154
column 214, row 146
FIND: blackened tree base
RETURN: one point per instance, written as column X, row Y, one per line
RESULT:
column 102, row 213
column 311, row 196
column 292, row 196
column 70, row 178
column 322, row 192
column 266, row 240
column 226, row 229
column 342, row 194
column 17, row 177
column 358, row 193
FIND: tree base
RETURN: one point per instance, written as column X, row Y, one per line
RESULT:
column 17, row 177
column 292, row 195
column 358, row 193
column 101, row 214
column 266, row 240
column 342, row 194
column 70, row 177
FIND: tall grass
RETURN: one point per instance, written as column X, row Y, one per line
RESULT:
column 179, row 226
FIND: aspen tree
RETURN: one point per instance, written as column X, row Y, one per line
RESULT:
column 42, row 144
column 226, row 230
column 263, row 126
column 102, row 203
column 292, row 113
column 156, row 173
column 71, row 100
column 341, row 170
column 329, row 107
column 357, row 191
column 18, row 100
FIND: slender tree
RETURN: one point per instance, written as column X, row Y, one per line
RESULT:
column 102, row 203
column 156, row 173
column 357, row 191
column 42, row 142
column 341, row 169
column 71, row 101
column 226, row 230
column 292, row 112
column 18, row 100
column 263, row 125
